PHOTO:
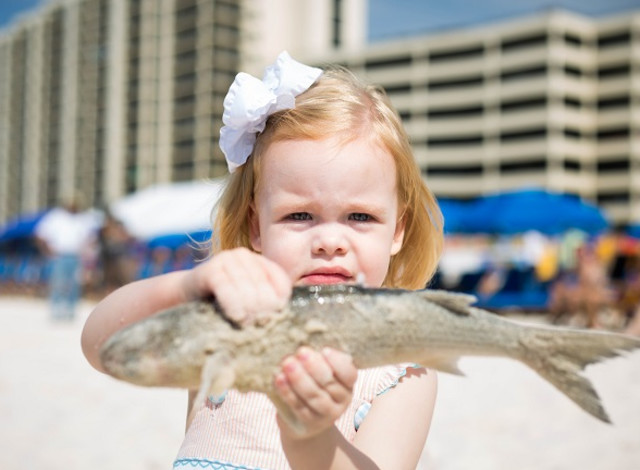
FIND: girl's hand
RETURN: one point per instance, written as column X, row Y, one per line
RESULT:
column 248, row 286
column 317, row 387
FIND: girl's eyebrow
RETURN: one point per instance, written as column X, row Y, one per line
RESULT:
column 316, row 205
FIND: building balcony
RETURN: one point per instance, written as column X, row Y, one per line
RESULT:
column 613, row 148
column 420, row 128
column 523, row 148
column 613, row 181
column 523, row 58
column 613, row 86
column 523, row 119
column 456, row 186
column 454, row 69
column 524, row 87
column 620, row 117
column 523, row 179
column 449, row 156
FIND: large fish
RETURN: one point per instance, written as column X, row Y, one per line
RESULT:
column 194, row 346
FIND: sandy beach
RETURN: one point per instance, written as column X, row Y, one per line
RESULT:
column 56, row 412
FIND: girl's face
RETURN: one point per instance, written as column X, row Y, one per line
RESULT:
column 328, row 213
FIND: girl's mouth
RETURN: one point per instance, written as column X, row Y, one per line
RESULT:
column 325, row 279
column 327, row 276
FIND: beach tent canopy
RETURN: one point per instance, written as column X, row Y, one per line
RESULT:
column 21, row 227
column 20, row 233
column 176, row 240
column 165, row 210
column 520, row 211
column 454, row 213
column 634, row 231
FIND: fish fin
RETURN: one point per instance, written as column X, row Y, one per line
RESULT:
column 443, row 364
column 453, row 301
column 559, row 355
column 284, row 411
column 217, row 376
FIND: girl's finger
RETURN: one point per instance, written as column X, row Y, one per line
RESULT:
column 342, row 365
column 293, row 385
column 323, row 375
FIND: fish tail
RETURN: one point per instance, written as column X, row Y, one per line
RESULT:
column 559, row 356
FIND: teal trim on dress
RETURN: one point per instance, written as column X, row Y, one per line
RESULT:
column 363, row 409
column 402, row 374
column 214, row 464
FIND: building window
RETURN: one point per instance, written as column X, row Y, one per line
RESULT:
column 454, row 170
column 613, row 166
column 383, row 63
column 513, row 136
column 523, row 73
column 445, row 113
column 572, row 39
column 525, row 165
column 459, row 83
column 528, row 103
column 458, row 141
column 614, row 102
column 622, row 197
column 571, row 164
column 572, row 133
column 613, row 40
column 522, row 43
column 610, row 134
column 456, row 54
column 573, row 71
column 399, row 88
column 614, row 72
column 571, row 102
column 337, row 23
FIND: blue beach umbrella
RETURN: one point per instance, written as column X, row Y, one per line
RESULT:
column 177, row 240
column 634, row 231
column 533, row 209
column 455, row 214
column 21, row 227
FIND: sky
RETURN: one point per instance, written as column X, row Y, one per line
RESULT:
column 10, row 8
column 397, row 18
column 400, row 18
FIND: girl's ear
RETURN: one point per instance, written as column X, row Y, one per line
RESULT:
column 254, row 229
column 398, row 235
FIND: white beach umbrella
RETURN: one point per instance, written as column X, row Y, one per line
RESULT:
column 166, row 209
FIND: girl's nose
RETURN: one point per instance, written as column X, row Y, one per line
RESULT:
column 328, row 241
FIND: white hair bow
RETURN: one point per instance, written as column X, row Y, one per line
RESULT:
column 249, row 102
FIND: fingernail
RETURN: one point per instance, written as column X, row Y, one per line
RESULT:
column 280, row 379
column 303, row 353
column 326, row 352
column 289, row 364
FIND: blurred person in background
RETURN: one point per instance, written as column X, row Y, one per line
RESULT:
column 64, row 235
column 116, row 249
column 633, row 328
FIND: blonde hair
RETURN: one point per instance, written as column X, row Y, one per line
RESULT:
column 341, row 106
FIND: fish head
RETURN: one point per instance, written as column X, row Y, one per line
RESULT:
column 167, row 349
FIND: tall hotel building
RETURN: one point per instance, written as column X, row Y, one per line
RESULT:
column 99, row 98
column 104, row 97
column 551, row 100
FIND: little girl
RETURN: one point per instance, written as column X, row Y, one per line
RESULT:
column 324, row 189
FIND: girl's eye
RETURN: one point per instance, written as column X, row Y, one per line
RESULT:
column 360, row 217
column 299, row 216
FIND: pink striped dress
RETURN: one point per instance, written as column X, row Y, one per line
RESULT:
column 240, row 431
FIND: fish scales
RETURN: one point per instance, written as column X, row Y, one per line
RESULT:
column 194, row 346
